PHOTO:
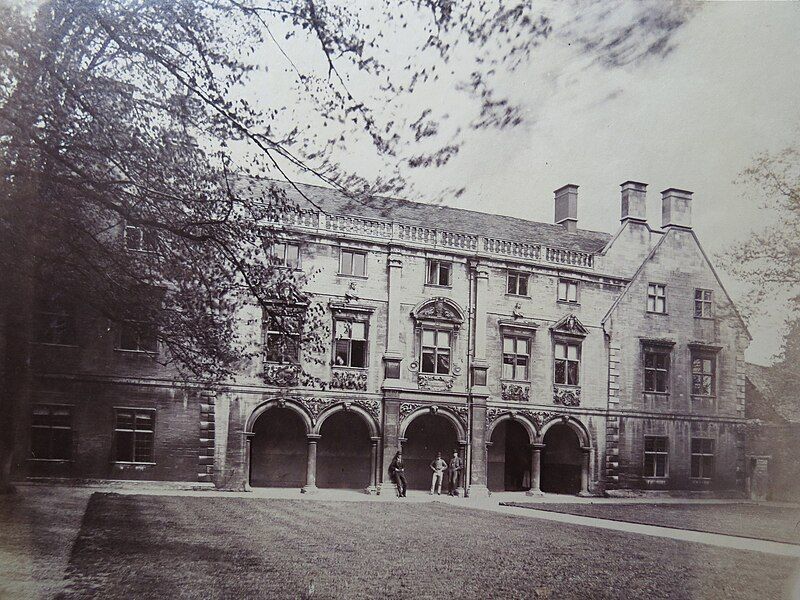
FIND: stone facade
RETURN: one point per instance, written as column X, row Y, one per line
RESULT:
column 537, row 385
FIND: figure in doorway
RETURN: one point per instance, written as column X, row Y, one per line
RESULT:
column 397, row 473
column 438, row 466
column 454, row 472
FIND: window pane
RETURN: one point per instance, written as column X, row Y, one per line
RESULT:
column 651, row 303
column 61, row 444
column 128, row 339
column 561, row 371
column 511, row 286
column 342, row 329
column 562, row 290
column 358, row 353
column 649, row 465
column 522, row 346
column 292, row 255
column 508, row 367
column 143, row 447
column 561, row 351
column 661, row 465
column 443, row 339
column 40, row 442
column 443, row 362
column 522, row 288
column 444, row 274
column 358, row 330
column 144, row 421
column 428, row 364
column 125, row 419
column 660, row 305
column 341, row 351
column 572, row 352
column 661, row 381
column 697, row 365
column 572, row 373
column 508, row 344
column 279, row 251
column 649, row 444
column 124, row 446
column 649, row 381
column 428, row 337
column 359, row 263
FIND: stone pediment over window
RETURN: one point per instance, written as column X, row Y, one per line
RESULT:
column 570, row 325
column 701, row 346
column 356, row 312
column 438, row 310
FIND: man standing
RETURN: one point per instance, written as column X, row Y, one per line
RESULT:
column 397, row 473
column 438, row 467
column 454, row 470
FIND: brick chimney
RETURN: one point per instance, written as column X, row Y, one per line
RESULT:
column 567, row 207
column 676, row 208
column 634, row 202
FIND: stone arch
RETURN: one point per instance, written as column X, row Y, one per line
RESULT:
column 293, row 405
column 530, row 428
column 436, row 411
column 572, row 423
column 438, row 309
column 368, row 419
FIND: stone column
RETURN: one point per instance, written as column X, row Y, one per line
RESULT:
column 248, row 448
column 391, row 443
column 373, row 466
column 311, row 465
column 536, row 470
column 394, row 352
column 462, row 453
column 476, row 484
column 585, row 471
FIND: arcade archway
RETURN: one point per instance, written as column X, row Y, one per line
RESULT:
column 344, row 452
column 562, row 461
column 509, row 458
column 425, row 436
column 278, row 449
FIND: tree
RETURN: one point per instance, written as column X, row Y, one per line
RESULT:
column 770, row 260
column 146, row 124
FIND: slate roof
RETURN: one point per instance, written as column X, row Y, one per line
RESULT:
column 445, row 218
column 765, row 381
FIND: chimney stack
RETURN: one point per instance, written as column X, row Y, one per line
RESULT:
column 676, row 208
column 567, row 207
column 634, row 202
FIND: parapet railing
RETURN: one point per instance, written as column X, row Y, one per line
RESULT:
column 438, row 238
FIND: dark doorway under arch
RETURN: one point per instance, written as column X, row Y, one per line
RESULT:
column 344, row 452
column 278, row 449
column 562, row 461
column 425, row 436
column 509, row 458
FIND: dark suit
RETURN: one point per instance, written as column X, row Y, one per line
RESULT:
column 397, row 473
column 454, row 472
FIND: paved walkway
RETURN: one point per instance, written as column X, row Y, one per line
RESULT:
column 493, row 504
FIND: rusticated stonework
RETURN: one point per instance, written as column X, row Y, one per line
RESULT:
column 514, row 392
column 281, row 375
column 349, row 380
column 567, row 396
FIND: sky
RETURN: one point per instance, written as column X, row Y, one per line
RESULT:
column 694, row 120
column 691, row 119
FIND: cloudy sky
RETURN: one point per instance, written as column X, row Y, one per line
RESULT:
column 729, row 89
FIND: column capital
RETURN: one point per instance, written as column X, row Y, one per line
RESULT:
column 313, row 437
column 586, row 449
column 375, row 439
column 395, row 260
column 537, row 446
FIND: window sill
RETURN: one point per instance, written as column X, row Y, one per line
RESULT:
column 126, row 462
column 656, row 479
column 703, row 480
column 527, row 296
column 654, row 393
column 52, row 345
column 352, row 276
column 439, row 285
column 700, row 397
column 51, row 460
column 653, row 312
column 349, row 368
column 568, row 302
column 567, row 386
column 704, row 318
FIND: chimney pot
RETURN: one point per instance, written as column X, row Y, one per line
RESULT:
column 566, row 203
column 676, row 208
column 634, row 202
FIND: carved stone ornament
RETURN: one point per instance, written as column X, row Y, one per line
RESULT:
column 349, row 380
column 351, row 295
column 462, row 412
column 406, row 408
column 567, row 396
column 315, row 406
column 538, row 418
column 439, row 309
column 373, row 407
column 281, row 375
column 571, row 326
column 514, row 392
column 435, row 382
column 517, row 312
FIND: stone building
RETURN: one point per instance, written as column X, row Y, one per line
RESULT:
column 550, row 357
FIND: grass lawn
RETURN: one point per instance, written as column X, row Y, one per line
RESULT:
column 37, row 528
column 779, row 524
column 192, row 547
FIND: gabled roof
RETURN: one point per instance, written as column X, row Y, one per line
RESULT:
column 647, row 259
column 458, row 220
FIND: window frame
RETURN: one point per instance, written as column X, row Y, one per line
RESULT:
column 353, row 252
column 567, row 343
column 712, row 374
column 148, row 432
column 435, row 265
column 527, row 366
column 437, row 350
column 704, row 303
column 659, row 352
column 568, row 282
column 656, row 297
column 340, row 319
column 267, row 319
column 54, row 307
column 145, row 233
column 282, row 260
column 49, row 428
column 656, row 454
column 139, row 349
column 701, row 455
column 519, row 277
